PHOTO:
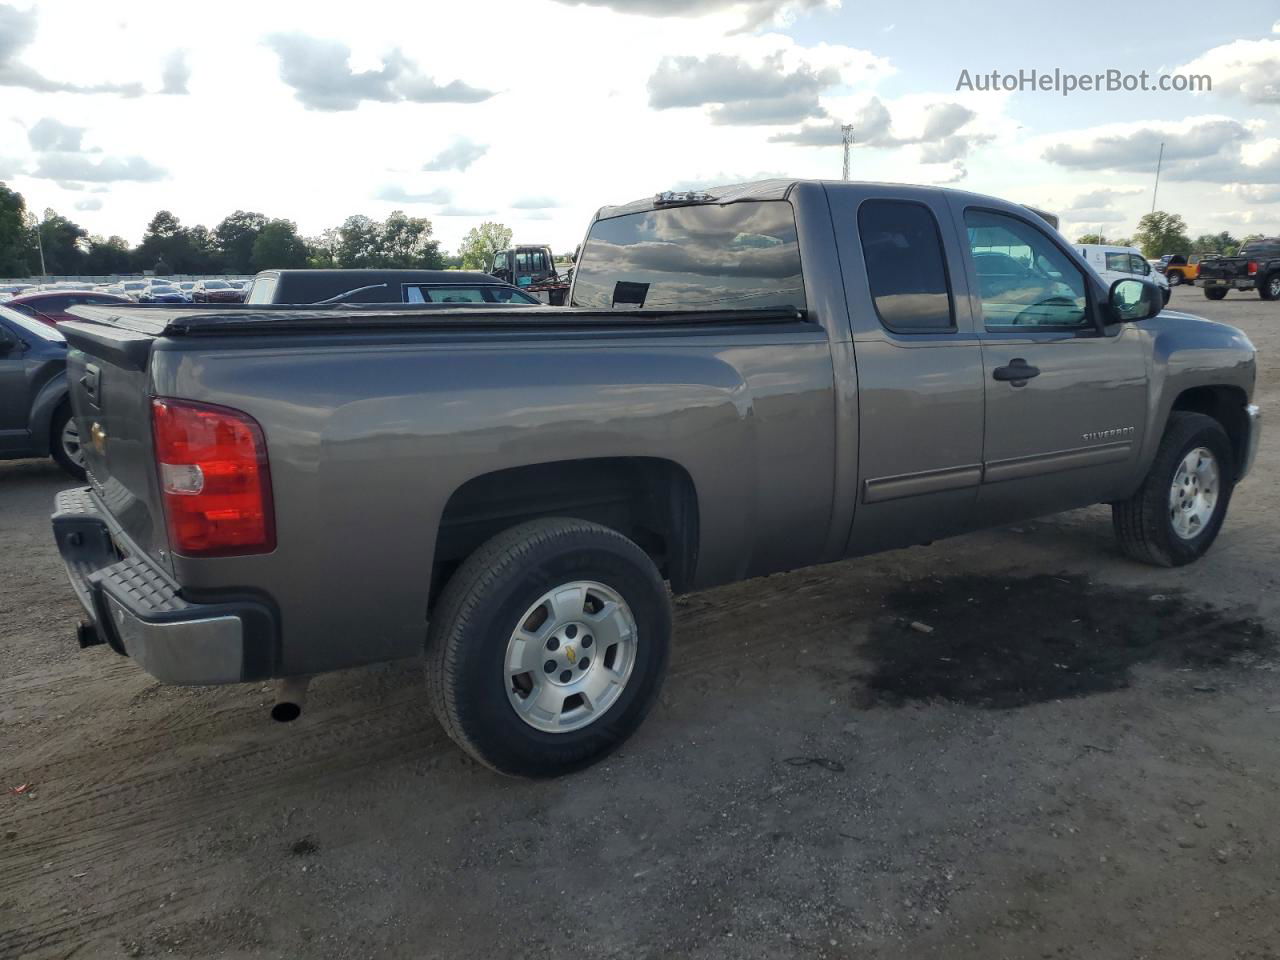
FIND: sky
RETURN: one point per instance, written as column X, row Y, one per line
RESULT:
column 537, row 112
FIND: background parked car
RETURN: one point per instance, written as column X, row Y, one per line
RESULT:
column 133, row 288
column 162, row 293
column 1112, row 263
column 215, row 291
column 35, row 413
column 51, row 306
column 1182, row 269
column 383, row 286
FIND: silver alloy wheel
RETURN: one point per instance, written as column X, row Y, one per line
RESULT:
column 1174, row 279
column 1194, row 493
column 1273, row 287
column 570, row 656
column 70, row 440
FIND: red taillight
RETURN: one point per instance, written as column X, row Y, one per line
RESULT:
column 214, row 479
column 1253, row 267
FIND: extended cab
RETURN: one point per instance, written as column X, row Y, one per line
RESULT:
column 750, row 380
column 1256, row 267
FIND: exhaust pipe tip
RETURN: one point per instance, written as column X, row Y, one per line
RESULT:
column 291, row 693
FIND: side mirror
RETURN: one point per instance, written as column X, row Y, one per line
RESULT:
column 1131, row 300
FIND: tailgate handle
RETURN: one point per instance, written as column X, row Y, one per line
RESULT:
column 90, row 383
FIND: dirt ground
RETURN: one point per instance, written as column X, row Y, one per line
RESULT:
column 1080, row 761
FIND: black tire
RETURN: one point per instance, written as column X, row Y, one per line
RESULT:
column 1215, row 293
column 1174, row 277
column 1269, row 288
column 1166, row 293
column 1142, row 523
column 62, row 455
column 481, row 606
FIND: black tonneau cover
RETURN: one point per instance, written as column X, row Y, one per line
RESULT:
column 202, row 319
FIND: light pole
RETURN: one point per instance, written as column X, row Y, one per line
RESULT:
column 1156, row 188
column 846, row 131
column 40, row 246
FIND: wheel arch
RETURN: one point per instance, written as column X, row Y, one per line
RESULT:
column 51, row 396
column 1223, row 403
column 652, row 501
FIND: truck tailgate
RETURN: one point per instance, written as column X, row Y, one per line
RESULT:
column 109, row 373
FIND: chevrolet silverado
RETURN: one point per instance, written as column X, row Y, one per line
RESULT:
column 751, row 379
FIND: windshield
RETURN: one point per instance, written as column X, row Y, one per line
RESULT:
column 215, row 285
column 133, row 285
column 35, row 328
column 696, row 257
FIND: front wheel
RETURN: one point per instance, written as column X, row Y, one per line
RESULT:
column 1176, row 514
column 548, row 646
column 1166, row 293
column 64, row 442
column 1173, row 277
column 1215, row 293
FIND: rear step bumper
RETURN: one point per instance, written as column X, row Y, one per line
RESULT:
column 136, row 607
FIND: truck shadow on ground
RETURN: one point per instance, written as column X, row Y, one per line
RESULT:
column 997, row 643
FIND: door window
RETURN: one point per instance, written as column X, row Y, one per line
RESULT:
column 1024, row 279
column 1119, row 263
column 905, row 267
column 1139, row 266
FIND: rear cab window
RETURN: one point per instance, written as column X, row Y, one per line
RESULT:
column 906, row 267
column 700, row 257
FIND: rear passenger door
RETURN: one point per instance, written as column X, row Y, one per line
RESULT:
column 1066, row 398
column 919, row 367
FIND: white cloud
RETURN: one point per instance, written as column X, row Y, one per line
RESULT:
column 86, row 169
column 50, row 134
column 752, row 13
column 459, row 155
column 1209, row 149
column 89, row 203
column 319, row 71
column 1247, row 69
column 398, row 194
column 176, row 73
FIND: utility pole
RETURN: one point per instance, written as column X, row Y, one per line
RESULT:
column 1156, row 189
column 847, row 131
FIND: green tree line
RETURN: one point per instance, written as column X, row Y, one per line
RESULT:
column 1160, row 232
column 242, row 243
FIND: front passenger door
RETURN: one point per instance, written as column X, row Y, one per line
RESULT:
column 1066, row 398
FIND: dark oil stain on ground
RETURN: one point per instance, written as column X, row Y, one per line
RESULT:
column 1000, row 643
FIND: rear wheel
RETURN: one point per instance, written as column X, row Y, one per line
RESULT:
column 1174, row 278
column 64, row 442
column 1269, row 289
column 548, row 646
column 1176, row 514
column 1215, row 293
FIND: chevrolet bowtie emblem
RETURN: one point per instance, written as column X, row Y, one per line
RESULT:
column 570, row 654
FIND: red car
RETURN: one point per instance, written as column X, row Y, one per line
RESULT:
column 50, row 306
column 216, row 291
